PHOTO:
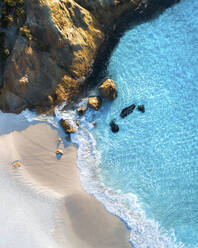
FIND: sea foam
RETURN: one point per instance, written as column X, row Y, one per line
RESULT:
column 145, row 233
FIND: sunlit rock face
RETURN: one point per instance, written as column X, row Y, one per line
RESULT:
column 48, row 47
column 51, row 56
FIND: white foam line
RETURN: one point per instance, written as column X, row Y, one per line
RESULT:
column 145, row 233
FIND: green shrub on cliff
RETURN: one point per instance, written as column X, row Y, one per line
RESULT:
column 12, row 12
column 21, row 2
column 6, row 52
column 11, row 3
column 20, row 12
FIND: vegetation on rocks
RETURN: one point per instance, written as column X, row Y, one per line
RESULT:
column 47, row 56
column 11, row 12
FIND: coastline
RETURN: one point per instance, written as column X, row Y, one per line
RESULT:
column 95, row 30
column 73, row 212
column 76, row 218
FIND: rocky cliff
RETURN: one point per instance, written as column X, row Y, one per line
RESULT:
column 48, row 47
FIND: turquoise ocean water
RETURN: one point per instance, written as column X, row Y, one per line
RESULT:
column 155, row 154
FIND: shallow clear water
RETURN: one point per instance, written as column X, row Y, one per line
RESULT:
column 155, row 154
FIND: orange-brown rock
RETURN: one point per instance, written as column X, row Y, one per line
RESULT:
column 16, row 164
column 52, row 46
column 55, row 61
column 108, row 89
column 67, row 126
column 59, row 152
column 94, row 102
column 81, row 110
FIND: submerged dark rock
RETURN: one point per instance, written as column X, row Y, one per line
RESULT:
column 126, row 111
column 59, row 152
column 108, row 89
column 141, row 108
column 114, row 126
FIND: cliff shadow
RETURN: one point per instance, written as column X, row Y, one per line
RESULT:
column 128, row 21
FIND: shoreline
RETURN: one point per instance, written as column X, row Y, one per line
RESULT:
column 124, row 217
column 80, row 218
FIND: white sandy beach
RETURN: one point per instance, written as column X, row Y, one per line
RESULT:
column 42, row 202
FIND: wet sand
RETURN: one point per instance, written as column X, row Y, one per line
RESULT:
column 68, row 216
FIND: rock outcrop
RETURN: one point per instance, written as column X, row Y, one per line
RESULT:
column 67, row 126
column 141, row 108
column 128, row 110
column 59, row 152
column 114, row 127
column 108, row 89
column 47, row 48
column 51, row 55
column 94, row 102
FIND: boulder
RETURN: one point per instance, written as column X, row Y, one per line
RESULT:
column 128, row 110
column 49, row 48
column 77, row 123
column 114, row 126
column 46, row 54
column 16, row 164
column 141, row 108
column 94, row 102
column 108, row 89
column 67, row 126
column 59, row 152
column 81, row 111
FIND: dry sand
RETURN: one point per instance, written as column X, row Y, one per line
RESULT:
column 63, row 213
